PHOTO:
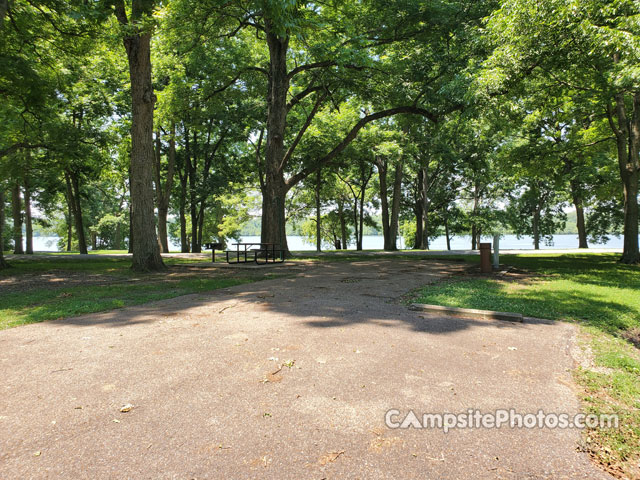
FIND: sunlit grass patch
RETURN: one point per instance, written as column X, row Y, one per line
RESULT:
column 50, row 304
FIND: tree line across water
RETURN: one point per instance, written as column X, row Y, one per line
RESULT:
column 443, row 117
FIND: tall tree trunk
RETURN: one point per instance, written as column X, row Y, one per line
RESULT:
column 130, row 228
column 82, row 240
column 182, row 211
column 417, row 243
column 446, row 232
column 361, row 220
column 273, row 228
column 580, row 223
column 157, row 170
column 163, row 236
column 201, row 222
column 629, row 163
column 27, row 217
column 164, row 191
column 631, row 185
column 16, row 208
column 474, row 227
column 70, row 219
column 318, row 216
column 356, row 223
column 535, row 222
column 577, row 198
column 69, row 224
column 395, row 206
column 192, row 170
column 627, row 133
column 425, row 209
column 384, row 202
column 195, row 245
column 146, row 251
column 3, row 262
column 343, row 224
column 73, row 189
column 118, row 237
column 28, row 220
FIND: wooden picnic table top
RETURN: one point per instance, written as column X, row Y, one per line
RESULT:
column 248, row 244
column 254, row 243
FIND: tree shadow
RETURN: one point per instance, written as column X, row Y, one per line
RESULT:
column 329, row 295
column 321, row 296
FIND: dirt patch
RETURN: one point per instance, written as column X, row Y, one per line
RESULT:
column 632, row 336
column 64, row 279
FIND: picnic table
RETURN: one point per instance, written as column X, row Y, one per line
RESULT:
column 258, row 252
column 213, row 247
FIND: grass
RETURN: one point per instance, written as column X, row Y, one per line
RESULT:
column 42, row 304
column 120, row 266
column 603, row 297
column 40, row 299
column 593, row 289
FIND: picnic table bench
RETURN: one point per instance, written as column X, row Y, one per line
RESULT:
column 258, row 252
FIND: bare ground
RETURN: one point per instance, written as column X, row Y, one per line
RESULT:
column 285, row 379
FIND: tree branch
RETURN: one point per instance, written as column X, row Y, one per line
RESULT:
column 310, row 66
column 293, row 180
column 120, row 12
column 301, row 95
column 304, row 128
column 17, row 146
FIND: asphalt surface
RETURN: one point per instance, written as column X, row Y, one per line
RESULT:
column 285, row 379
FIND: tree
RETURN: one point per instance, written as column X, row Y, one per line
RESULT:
column 163, row 191
column 387, row 154
column 591, row 46
column 309, row 67
column 16, row 213
column 536, row 211
column 357, row 179
column 137, row 42
column 3, row 262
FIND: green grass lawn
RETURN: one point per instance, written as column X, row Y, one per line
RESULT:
column 603, row 297
column 68, row 262
column 50, row 304
column 593, row 289
column 38, row 299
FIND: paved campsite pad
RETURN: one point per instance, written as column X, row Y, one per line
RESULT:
column 209, row 400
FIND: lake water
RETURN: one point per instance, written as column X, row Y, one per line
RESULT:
column 375, row 242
